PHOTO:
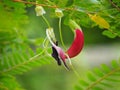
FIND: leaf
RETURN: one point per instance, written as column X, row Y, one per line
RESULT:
column 78, row 88
column 22, row 59
column 97, row 88
column 114, row 64
column 8, row 82
column 99, row 20
column 82, row 82
column 98, row 72
column 91, row 76
column 109, row 34
column 105, row 68
column 101, row 78
column 106, row 84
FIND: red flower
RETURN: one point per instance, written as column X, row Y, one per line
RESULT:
column 73, row 51
column 77, row 44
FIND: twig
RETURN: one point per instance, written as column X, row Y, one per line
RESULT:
column 114, row 5
column 34, row 3
column 44, row 5
column 114, row 32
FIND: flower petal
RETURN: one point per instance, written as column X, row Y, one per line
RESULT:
column 77, row 44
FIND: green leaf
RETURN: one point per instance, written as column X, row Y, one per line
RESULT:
column 8, row 82
column 97, row 88
column 109, row 34
column 106, row 84
column 78, row 88
column 91, row 76
column 113, row 80
column 84, row 83
column 98, row 72
column 22, row 59
column 115, row 64
column 105, row 68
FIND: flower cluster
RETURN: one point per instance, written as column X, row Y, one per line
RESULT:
column 58, row 53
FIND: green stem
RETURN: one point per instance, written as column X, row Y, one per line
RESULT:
column 72, row 67
column 60, row 31
column 76, row 73
column 46, row 21
column 46, row 46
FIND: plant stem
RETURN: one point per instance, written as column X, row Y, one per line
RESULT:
column 60, row 31
column 114, row 5
column 46, row 46
column 34, row 3
column 76, row 73
column 46, row 21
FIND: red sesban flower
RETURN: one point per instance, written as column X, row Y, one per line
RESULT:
column 77, row 44
column 59, row 55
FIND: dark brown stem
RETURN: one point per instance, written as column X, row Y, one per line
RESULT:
column 114, row 5
column 34, row 3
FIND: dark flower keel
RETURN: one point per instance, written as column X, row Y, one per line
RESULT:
column 55, row 54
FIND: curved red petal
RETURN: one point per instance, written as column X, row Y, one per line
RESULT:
column 77, row 44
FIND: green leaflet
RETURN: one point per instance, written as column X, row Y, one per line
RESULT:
column 109, row 34
column 102, row 78
column 22, row 59
column 8, row 82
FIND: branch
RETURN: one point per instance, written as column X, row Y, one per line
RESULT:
column 114, row 5
column 34, row 3
column 114, row 32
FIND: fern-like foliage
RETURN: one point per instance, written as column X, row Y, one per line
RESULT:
column 5, row 80
column 22, row 59
column 103, row 78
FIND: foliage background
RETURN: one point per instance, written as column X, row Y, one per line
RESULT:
column 22, row 34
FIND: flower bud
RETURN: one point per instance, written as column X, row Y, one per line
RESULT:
column 39, row 10
column 51, row 34
column 73, row 25
column 59, row 12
